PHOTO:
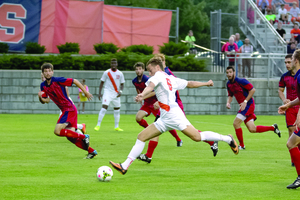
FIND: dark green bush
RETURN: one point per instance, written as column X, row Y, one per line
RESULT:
column 142, row 48
column 96, row 62
column 4, row 47
column 34, row 48
column 69, row 47
column 106, row 48
column 172, row 49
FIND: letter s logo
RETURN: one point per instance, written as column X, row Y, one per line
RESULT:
column 14, row 23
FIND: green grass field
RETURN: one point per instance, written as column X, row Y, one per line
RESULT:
column 36, row 164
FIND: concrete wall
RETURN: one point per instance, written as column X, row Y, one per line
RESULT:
column 19, row 88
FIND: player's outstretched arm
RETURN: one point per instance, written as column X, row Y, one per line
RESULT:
column 281, row 95
column 151, row 94
column 146, row 91
column 196, row 84
column 283, row 108
column 43, row 100
column 86, row 93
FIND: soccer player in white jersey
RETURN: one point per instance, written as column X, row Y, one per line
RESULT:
column 113, row 82
column 172, row 117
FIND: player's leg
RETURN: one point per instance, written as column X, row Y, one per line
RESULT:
column 82, row 127
column 150, row 132
column 140, row 117
column 238, row 130
column 213, row 146
column 78, row 106
column 150, row 150
column 260, row 129
column 197, row 136
column 83, row 107
column 292, row 144
column 101, row 116
column 116, row 103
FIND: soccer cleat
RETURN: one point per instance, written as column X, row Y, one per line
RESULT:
column 118, row 129
column 276, row 130
column 86, row 142
column 97, row 128
column 294, row 185
column 118, row 167
column 144, row 158
column 83, row 129
column 179, row 143
column 215, row 148
column 233, row 145
column 242, row 148
column 91, row 155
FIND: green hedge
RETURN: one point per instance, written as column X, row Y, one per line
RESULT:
column 126, row 60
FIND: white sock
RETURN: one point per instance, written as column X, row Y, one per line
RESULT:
column 134, row 153
column 117, row 117
column 212, row 136
column 101, row 115
column 78, row 131
column 79, row 126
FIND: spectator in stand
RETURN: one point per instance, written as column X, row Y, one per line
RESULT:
column 190, row 39
column 298, row 46
column 270, row 16
column 230, row 51
column 280, row 30
column 247, row 50
column 276, row 5
column 295, row 12
column 291, row 48
column 239, row 44
column 263, row 5
column 295, row 32
column 250, row 15
column 226, row 44
column 282, row 13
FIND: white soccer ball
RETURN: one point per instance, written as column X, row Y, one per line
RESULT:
column 104, row 173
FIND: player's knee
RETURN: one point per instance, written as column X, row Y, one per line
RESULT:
column 289, row 145
column 252, row 129
column 138, row 119
column 56, row 132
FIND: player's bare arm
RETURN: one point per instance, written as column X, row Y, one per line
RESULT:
column 146, row 91
column 121, row 89
column 229, row 100
column 100, row 89
column 151, row 94
column 244, row 103
column 283, row 108
column 196, row 84
column 43, row 100
column 86, row 93
column 156, row 105
column 282, row 97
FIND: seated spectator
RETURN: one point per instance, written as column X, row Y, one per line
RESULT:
column 295, row 13
column 270, row 16
column 295, row 32
column 230, row 50
column 280, row 30
column 291, row 48
column 283, row 16
column 276, row 5
column 247, row 50
column 263, row 5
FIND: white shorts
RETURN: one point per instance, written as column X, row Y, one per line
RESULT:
column 174, row 119
column 110, row 98
column 242, row 117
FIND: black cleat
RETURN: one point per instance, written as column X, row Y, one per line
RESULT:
column 144, row 158
column 179, row 143
column 91, row 155
column 234, row 146
column 86, row 142
column 215, row 148
column 294, row 185
column 118, row 167
column 276, row 130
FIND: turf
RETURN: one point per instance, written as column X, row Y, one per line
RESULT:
column 36, row 164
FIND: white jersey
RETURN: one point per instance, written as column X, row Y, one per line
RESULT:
column 118, row 78
column 165, row 88
column 294, row 12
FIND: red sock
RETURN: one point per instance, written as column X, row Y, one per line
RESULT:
column 90, row 150
column 175, row 135
column 260, row 129
column 143, row 123
column 78, row 142
column 71, row 134
column 209, row 142
column 239, row 135
column 151, row 146
column 295, row 155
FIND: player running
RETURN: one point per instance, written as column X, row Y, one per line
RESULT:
column 147, row 108
column 54, row 88
column 243, row 91
column 172, row 117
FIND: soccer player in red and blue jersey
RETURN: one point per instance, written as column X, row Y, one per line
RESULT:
column 54, row 88
column 243, row 91
column 147, row 108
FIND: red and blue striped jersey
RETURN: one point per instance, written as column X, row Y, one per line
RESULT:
column 57, row 92
column 169, row 72
column 239, row 88
column 140, row 86
column 289, row 81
